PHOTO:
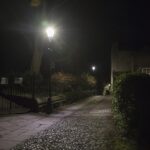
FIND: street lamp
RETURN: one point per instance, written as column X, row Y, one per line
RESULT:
column 50, row 34
column 93, row 68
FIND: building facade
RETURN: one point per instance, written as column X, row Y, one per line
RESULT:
column 129, row 61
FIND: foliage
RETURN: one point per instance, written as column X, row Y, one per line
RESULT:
column 121, row 143
column 74, row 87
column 63, row 81
column 88, row 81
column 130, row 91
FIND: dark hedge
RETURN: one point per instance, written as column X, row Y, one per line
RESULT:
column 131, row 105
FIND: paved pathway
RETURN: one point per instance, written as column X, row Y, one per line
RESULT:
column 84, row 125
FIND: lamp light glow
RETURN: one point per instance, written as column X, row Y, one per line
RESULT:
column 93, row 68
column 50, row 32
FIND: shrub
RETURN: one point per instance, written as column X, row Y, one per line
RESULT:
column 87, row 81
column 63, row 81
column 131, row 97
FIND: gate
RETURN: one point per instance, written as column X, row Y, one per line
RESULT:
column 22, row 94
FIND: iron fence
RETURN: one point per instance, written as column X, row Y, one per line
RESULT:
column 18, row 94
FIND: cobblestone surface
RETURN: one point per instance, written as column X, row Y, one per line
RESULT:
column 88, row 128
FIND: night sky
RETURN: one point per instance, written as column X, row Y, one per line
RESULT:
column 86, row 31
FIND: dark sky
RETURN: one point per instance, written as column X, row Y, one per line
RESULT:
column 86, row 31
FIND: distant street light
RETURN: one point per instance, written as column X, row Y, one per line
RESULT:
column 93, row 68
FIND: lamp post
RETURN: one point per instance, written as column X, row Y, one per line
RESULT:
column 50, row 34
column 36, row 62
column 93, row 68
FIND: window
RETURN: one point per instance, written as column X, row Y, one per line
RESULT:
column 146, row 70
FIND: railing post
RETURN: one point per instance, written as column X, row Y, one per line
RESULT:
column 49, row 108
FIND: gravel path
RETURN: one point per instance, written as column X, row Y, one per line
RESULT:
column 88, row 128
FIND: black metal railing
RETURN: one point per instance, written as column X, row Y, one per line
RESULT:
column 15, row 96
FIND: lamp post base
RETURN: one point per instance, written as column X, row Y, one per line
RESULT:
column 49, row 108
